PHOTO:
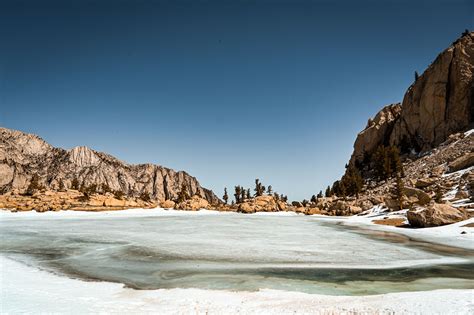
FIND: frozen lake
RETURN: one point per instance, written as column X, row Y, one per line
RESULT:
column 231, row 252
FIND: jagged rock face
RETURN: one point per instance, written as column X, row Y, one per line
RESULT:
column 376, row 132
column 441, row 101
column 22, row 155
column 438, row 104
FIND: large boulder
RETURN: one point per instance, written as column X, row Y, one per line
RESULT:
column 261, row 203
column 435, row 215
column 193, row 204
column 167, row 204
column 422, row 198
column 465, row 161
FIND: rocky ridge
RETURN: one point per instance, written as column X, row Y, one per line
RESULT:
column 24, row 155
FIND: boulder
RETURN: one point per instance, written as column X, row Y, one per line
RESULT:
column 435, row 215
column 437, row 171
column 424, row 182
column 465, row 161
column 461, row 194
column 314, row 210
column 261, row 203
column 167, row 204
column 246, row 207
column 355, row 209
column 193, row 204
column 423, row 197
column 113, row 202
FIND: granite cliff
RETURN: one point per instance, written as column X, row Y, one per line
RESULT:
column 23, row 155
column 439, row 103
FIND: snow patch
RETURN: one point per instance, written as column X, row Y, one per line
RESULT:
column 28, row 290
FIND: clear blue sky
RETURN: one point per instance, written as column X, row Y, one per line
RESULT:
column 226, row 90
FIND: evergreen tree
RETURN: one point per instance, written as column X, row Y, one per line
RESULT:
column 416, row 76
column 34, row 185
column 439, row 195
column 399, row 191
column 106, row 188
column 62, row 187
column 183, row 194
column 269, row 190
column 313, row 199
column 75, row 183
column 226, row 196
column 145, row 196
column 118, row 194
column 259, row 188
column 386, row 162
column 243, row 194
column 328, row 192
column 352, row 181
column 237, row 194
column 248, row 193
column 320, row 194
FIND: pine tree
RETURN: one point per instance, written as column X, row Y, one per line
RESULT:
column 34, row 185
column 145, row 196
column 276, row 196
column 118, row 194
column 399, row 191
column 106, row 188
column 259, row 188
column 248, row 193
column 313, row 199
column 62, row 187
column 183, row 194
column 328, row 192
column 416, row 76
column 75, row 183
column 243, row 194
column 320, row 194
column 439, row 195
column 269, row 190
column 237, row 194
column 226, row 196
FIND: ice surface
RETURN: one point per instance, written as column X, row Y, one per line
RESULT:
column 154, row 249
column 28, row 290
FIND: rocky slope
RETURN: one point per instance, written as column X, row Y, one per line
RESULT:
column 439, row 103
column 24, row 155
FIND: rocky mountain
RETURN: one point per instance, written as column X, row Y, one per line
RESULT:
column 439, row 103
column 24, row 155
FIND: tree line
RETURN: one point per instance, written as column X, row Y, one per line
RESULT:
column 241, row 194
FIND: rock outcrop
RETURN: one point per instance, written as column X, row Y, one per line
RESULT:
column 435, row 215
column 439, row 103
column 69, row 200
column 24, row 155
column 261, row 203
column 193, row 204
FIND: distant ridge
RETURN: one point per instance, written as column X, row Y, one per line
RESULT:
column 23, row 155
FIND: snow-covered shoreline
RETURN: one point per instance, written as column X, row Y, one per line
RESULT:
column 29, row 290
